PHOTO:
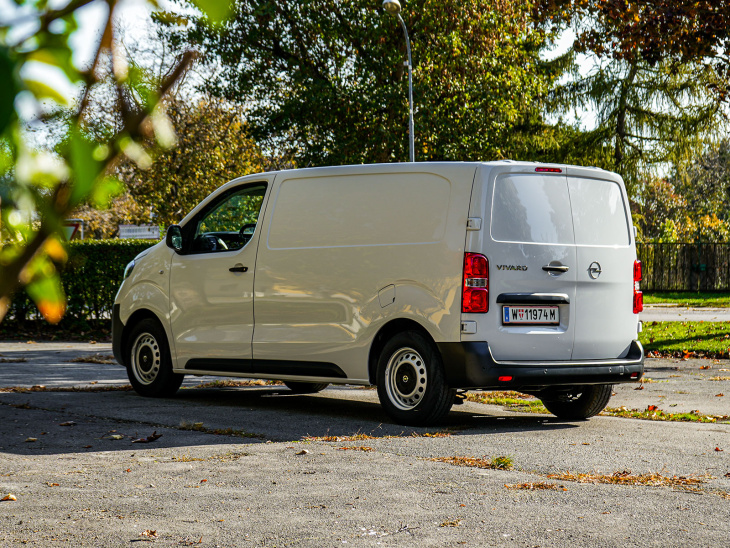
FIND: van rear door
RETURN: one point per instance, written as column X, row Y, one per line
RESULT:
column 605, row 323
column 532, row 270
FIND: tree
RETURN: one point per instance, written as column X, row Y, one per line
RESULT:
column 40, row 189
column 652, row 30
column 213, row 147
column 329, row 83
column 646, row 116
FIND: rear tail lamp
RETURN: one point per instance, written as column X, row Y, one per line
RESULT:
column 638, row 295
column 475, row 293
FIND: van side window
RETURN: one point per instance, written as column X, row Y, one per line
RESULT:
column 229, row 222
column 532, row 209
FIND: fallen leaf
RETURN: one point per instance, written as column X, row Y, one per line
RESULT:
column 705, row 367
column 31, row 439
column 148, row 533
column 640, row 387
column 51, row 484
column 719, row 395
column 203, row 480
column 128, row 470
column 8, row 497
column 116, row 437
column 148, row 439
column 303, row 452
column 651, row 408
column 718, row 449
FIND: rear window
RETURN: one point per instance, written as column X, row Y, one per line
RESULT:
column 599, row 214
column 532, row 209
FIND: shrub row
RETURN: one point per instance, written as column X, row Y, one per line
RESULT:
column 90, row 278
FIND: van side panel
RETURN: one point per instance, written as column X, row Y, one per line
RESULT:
column 340, row 243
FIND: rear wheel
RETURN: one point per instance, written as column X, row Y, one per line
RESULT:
column 306, row 387
column 580, row 402
column 149, row 366
column 411, row 383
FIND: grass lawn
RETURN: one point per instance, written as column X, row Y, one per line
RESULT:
column 689, row 298
column 710, row 339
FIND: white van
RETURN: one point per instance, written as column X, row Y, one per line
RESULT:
column 423, row 279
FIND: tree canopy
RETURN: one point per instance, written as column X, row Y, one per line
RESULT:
column 329, row 83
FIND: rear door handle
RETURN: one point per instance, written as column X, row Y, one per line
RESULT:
column 238, row 268
column 555, row 268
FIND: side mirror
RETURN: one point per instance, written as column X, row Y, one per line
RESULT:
column 174, row 238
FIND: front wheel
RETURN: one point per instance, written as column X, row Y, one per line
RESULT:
column 149, row 366
column 579, row 403
column 411, row 382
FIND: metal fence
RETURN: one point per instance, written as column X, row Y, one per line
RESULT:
column 685, row 267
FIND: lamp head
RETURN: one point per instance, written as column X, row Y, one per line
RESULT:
column 391, row 6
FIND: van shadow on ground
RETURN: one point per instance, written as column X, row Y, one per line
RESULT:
column 218, row 417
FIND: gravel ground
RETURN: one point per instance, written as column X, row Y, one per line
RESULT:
column 263, row 480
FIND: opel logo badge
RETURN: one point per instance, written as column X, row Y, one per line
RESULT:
column 594, row 270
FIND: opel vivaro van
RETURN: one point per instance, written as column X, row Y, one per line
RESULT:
column 424, row 279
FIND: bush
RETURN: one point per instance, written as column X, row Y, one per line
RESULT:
column 90, row 278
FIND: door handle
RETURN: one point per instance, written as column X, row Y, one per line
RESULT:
column 555, row 268
column 238, row 268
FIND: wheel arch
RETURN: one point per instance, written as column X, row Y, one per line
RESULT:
column 136, row 317
column 385, row 333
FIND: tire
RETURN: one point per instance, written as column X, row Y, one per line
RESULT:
column 306, row 387
column 411, row 383
column 149, row 366
column 580, row 403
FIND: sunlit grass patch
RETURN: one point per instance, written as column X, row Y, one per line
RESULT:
column 689, row 299
column 41, row 388
column 686, row 339
column 514, row 401
column 535, row 486
column 653, row 413
column 652, row 479
column 200, row 427
column 95, row 358
column 360, row 436
column 495, row 463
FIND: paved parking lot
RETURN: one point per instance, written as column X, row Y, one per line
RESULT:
column 262, row 467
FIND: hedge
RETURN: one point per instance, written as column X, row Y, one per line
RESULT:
column 90, row 278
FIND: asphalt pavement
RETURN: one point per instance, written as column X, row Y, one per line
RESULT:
column 259, row 466
column 668, row 313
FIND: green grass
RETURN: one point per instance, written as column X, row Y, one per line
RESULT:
column 689, row 298
column 695, row 339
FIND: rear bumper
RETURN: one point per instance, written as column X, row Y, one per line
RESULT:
column 471, row 365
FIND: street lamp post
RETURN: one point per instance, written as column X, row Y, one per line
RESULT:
column 393, row 8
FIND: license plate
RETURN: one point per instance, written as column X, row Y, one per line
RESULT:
column 530, row 315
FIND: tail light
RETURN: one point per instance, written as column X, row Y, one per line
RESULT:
column 638, row 295
column 475, row 293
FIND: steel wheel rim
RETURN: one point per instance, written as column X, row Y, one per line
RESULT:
column 406, row 379
column 146, row 358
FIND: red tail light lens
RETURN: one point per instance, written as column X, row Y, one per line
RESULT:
column 475, row 293
column 638, row 302
column 638, row 295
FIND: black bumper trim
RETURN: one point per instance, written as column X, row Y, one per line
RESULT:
column 471, row 365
